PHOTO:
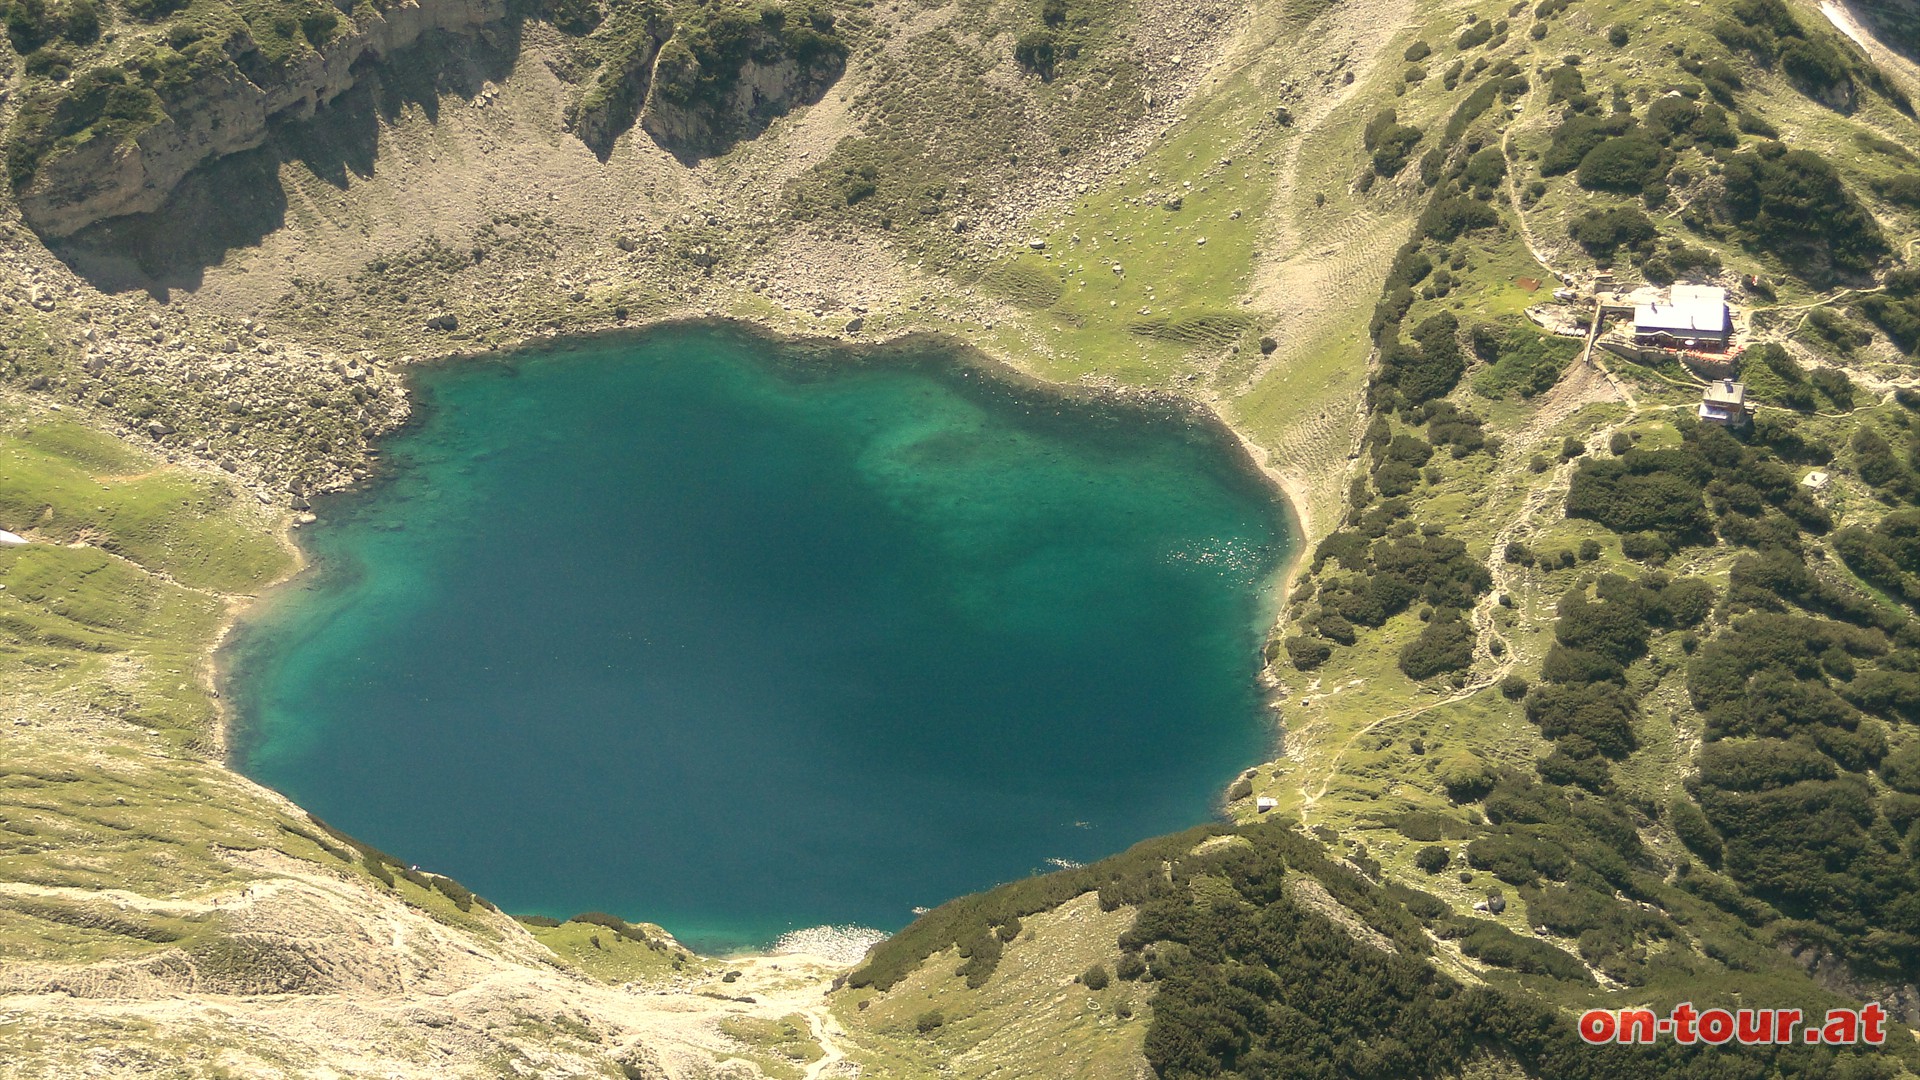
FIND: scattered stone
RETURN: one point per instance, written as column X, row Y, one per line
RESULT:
column 446, row 322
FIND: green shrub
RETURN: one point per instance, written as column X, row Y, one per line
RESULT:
column 101, row 102
column 1567, row 84
column 32, row 24
column 1307, row 653
column 1790, row 201
column 1903, row 189
column 1885, row 555
column 1901, row 770
column 1525, row 362
column 578, row 17
column 377, row 867
column 1623, row 163
column 1127, row 878
column 1095, row 978
column 1390, row 142
column 1896, row 310
column 1495, row 944
column 1450, row 218
column 1644, row 491
column 1444, row 644
column 1036, row 50
column 981, row 955
column 1694, row 830
column 1761, row 764
column 1599, row 712
column 1426, row 825
column 1428, row 368
column 1518, row 859
column 1573, row 770
column 1336, row 628
column 614, row 923
column 1451, row 426
column 1467, row 778
column 454, row 891
column 1679, row 124
column 1603, row 232
column 1576, row 136
column 1433, row 858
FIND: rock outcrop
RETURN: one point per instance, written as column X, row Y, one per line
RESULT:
column 224, row 112
column 611, row 103
column 692, row 113
column 697, row 99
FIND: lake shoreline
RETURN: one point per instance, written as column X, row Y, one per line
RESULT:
column 1281, row 491
column 1290, row 492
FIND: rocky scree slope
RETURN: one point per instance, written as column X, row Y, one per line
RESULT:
column 114, row 120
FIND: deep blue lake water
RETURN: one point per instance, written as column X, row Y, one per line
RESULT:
column 741, row 637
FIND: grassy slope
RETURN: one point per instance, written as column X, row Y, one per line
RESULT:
column 109, row 616
column 130, row 860
column 1362, row 685
column 1031, row 1019
column 135, row 569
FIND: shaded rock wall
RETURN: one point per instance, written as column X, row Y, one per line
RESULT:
column 769, row 82
column 224, row 113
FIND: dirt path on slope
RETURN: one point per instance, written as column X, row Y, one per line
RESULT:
column 1582, row 385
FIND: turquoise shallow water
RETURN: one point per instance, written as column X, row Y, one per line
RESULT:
column 739, row 638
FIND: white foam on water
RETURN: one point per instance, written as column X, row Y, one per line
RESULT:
column 840, row 944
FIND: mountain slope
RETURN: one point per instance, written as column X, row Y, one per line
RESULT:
column 1528, row 653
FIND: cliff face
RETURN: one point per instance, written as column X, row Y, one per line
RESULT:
column 771, row 80
column 607, row 108
column 221, row 113
column 697, row 98
column 1896, row 23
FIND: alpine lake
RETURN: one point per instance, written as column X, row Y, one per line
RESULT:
column 742, row 636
